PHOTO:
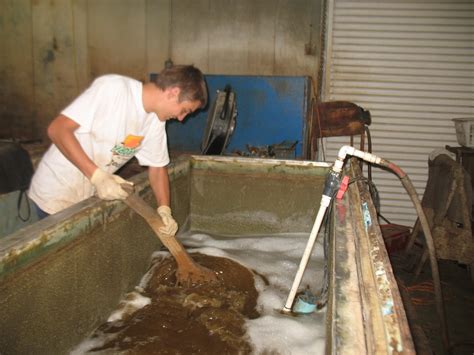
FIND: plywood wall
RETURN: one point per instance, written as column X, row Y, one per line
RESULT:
column 51, row 50
column 44, row 56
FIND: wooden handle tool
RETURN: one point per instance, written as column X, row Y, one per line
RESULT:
column 188, row 272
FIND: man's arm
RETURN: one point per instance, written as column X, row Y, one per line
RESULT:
column 160, row 184
column 61, row 132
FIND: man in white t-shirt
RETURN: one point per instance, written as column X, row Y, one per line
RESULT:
column 115, row 119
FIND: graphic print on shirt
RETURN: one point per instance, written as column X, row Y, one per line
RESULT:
column 124, row 151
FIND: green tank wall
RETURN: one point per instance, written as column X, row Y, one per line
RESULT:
column 62, row 276
column 254, row 197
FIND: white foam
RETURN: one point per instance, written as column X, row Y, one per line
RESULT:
column 133, row 301
column 87, row 345
column 276, row 258
column 276, row 333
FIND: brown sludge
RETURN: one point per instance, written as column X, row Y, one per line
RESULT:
column 206, row 319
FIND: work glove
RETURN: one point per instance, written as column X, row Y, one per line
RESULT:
column 108, row 185
column 170, row 226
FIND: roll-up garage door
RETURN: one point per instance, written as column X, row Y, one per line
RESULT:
column 411, row 64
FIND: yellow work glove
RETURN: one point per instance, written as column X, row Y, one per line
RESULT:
column 108, row 185
column 170, row 226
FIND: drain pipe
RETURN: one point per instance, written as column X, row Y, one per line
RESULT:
column 331, row 186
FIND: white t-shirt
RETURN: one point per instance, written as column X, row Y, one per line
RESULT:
column 114, row 127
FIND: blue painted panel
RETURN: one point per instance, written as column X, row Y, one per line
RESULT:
column 270, row 109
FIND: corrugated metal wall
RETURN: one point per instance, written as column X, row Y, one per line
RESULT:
column 411, row 65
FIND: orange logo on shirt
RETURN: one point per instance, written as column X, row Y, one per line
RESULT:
column 122, row 152
column 132, row 141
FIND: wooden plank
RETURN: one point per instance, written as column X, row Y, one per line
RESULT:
column 157, row 34
column 16, row 71
column 117, row 37
column 261, row 38
column 190, row 33
column 229, row 24
column 55, row 84
column 292, row 35
column 80, row 48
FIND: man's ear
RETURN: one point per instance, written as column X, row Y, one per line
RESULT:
column 173, row 92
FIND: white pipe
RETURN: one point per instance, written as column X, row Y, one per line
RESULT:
column 325, row 200
column 348, row 150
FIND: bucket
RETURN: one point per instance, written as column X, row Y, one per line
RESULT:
column 465, row 131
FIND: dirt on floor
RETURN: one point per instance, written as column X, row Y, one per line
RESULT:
column 207, row 319
column 458, row 294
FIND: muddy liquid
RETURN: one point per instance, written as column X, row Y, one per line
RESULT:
column 206, row 319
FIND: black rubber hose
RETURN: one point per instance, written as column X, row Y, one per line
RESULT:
column 429, row 243
column 369, row 149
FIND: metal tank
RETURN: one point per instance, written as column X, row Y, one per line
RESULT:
column 62, row 276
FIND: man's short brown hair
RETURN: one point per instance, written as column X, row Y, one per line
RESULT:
column 188, row 79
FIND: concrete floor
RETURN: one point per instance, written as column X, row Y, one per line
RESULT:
column 458, row 293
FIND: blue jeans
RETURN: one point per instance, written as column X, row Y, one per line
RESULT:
column 41, row 214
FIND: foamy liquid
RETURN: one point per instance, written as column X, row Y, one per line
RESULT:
column 275, row 259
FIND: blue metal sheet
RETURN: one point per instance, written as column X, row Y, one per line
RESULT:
column 270, row 109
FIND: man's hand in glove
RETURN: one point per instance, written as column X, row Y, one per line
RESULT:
column 170, row 226
column 108, row 185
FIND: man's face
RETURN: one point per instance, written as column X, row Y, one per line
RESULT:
column 171, row 108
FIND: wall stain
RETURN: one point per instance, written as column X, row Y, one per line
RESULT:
column 49, row 57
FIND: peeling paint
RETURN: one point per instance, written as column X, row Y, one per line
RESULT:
column 388, row 307
column 385, row 325
column 366, row 214
column 46, row 235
